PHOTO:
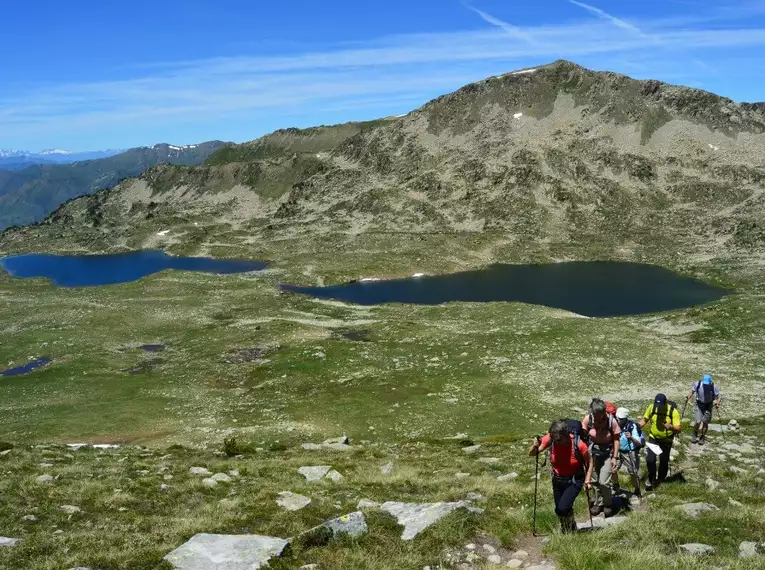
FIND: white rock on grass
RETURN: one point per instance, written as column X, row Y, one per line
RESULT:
column 601, row 523
column 386, row 469
column 309, row 567
column 494, row 559
column 416, row 517
column 43, row 479
column 343, row 439
column 221, row 478
column 226, row 552
column 367, row 504
column 201, row 471
column 70, row 509
column 508, row 477
column 209, row 482
column 6, row 542
column 489, row 460
column 334, row 476
column 471, row 448
column 735, row 503
column 696, row 509
column 543, row 566
column 522, row 554
column 735, row 469
column 29, row 518
column 314, row 473
column 697, row 549
column 712, row 485
column 750, row 549
column 292, row 501
column 514, row 563
column 461, row 475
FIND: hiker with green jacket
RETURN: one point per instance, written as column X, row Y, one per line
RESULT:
column 707, row 396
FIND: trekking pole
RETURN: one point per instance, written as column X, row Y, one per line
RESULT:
column 722, row 427
column 536, row 486
column 589, row 510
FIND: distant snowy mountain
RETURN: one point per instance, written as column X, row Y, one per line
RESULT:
column 12, row 159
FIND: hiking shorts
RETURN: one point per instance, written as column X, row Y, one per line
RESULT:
column 702, row 413
column 630, row 462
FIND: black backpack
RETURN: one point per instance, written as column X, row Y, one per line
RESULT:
column 707, row 395
column 671, row 407
column 576, row 430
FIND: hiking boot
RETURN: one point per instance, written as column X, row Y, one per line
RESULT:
column 648, row 486
column 608, row 512
column 596, row 510
column 702, row 439
column 571, row 523
column 694, row 438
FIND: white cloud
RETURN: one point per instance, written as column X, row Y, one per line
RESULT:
column 606, row 16
column 408, row 69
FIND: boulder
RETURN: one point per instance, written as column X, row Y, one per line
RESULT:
column 70, row 509
column 471, row 448
column 201, row 471
column 598, row 523
column 696, row 509
column 314, row 473
column 697, row 549
column 6, row 542
column 750, row 549
column 221, row 478
column 209, row 482
column 292, row 501
column 226, row 552
column 367, row 504
column 353, row 525
column 416, row 517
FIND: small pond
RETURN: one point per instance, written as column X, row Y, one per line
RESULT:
column 593, row 289
column 93, row 270
column 26, row 368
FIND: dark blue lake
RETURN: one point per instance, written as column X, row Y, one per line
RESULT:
column 26, row 368
column 593, row 289
column 92, row 270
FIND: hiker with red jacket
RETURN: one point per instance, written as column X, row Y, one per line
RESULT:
column 570, row 460
column 604, row 433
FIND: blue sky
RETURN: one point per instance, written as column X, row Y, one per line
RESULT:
column 89, row 74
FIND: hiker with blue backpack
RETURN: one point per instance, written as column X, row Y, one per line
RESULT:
column 631, row 442
column 707, row 396
column 569, row 460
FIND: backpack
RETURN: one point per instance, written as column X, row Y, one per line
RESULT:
column 671, row 407
column 576, row 431
column 707, row 395
column 632, row 425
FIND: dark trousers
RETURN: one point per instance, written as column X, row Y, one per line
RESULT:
column 565, row 492
column 650, row 459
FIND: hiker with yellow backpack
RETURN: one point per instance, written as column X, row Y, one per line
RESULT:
column 664, row 418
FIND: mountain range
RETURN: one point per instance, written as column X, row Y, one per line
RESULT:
column 29, row 194
column 11, row 159
column 557, row 153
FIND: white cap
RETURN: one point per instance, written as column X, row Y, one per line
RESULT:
column 622, row 413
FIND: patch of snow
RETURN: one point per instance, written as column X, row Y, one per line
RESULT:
column 713, row 147
column 418, row 275
column 369, row 279
column 522, row 71
column 76, row 446
column 163, row 233
column 517, row 115
column 171, row 147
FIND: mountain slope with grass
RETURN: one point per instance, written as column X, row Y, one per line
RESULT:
column 27, row 195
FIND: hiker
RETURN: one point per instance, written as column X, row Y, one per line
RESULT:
column 570, row 460
column 631, row 442
column 604, row 433
column 665, row 424
column 707, row 396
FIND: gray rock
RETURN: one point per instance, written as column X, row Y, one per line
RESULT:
column 508, row 477
column 209, row 482
column 461, row 475
column 337, row 446
column 471, row 448
column 234, row 473
column 750, row 549
column 735, row 469
column 489, row 548
column 489, row 460
column 315, row 472
column 473, row 496
column 353, row 525
column 514, row 563
column 712, row 485
column 226, row 552
column 42, row 479
column 416, row 517
column 334, row 476
column 292, row 501
column 697, row 549
column 29, row 518
column 601, row 523
column 201, row 471
column 494, row 559
column 367, row 504
column 745, row 448
column 221, row 478
column 522, row 554
column 696, row 509
column 164, row 488
column 343, row 439
column 386, row 469
column 735, row 503
column 6, row 542
column 70, row 509
column 311, row 446
column 543, row 566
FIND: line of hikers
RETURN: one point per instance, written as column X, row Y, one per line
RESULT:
column 590, row 452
